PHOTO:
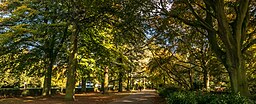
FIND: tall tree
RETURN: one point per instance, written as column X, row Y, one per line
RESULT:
column 39, row 29
column 228, row 27
column 72, row 65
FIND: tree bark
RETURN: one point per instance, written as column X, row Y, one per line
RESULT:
column 72, row 65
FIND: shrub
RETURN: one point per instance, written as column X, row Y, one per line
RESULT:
column 231, row 99
column 164, row 92
column 17, row 92
column 181, row 98
column 206, row 98
column 25, row 92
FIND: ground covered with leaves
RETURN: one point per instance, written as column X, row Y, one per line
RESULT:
column 87, row 98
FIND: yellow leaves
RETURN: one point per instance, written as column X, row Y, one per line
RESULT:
column 109, row 46
column 1, row 20
column 20, row 29
column 87, row 61
column 107, row 38
column 3, row 5
column 5, row 37
column 24, row 11
column 15, row 31
column 231, row 17
column 117, row 6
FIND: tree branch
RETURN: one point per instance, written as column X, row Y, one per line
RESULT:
column 211, row 35
column 240, row 18
column 223, row 26
column 204, row 24
column 187, row 22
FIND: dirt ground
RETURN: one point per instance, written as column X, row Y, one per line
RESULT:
column 87, row 98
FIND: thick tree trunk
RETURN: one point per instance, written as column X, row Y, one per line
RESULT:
column 105, row 87
column 237, row 74
column 72, row 65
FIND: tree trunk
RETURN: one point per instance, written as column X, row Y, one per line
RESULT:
column 120, row 82
column 83, row 84
column 72, row 65
column 237, row 74
column 206, row 80
column 129, row 83
column 105, row 87
column 120, row 76
column 52, row 57
column 48, row 76
column 114, row 85
column 144, row 83
column 47, row 80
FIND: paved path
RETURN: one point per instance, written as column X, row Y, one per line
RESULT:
column 143, row 97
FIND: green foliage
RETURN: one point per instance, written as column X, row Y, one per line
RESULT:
column 34, row 33
column 25, row 92
column 206, row 98
column 181, row 98
column 164, row 92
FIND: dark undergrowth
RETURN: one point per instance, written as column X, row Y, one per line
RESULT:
column 176, row 96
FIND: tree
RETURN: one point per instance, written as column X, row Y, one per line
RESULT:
column 228, row 27
column 72, row 65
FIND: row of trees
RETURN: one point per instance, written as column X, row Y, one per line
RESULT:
column 76, row 37
column 186, row 40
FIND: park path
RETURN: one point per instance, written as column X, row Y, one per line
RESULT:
column 143, row 97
